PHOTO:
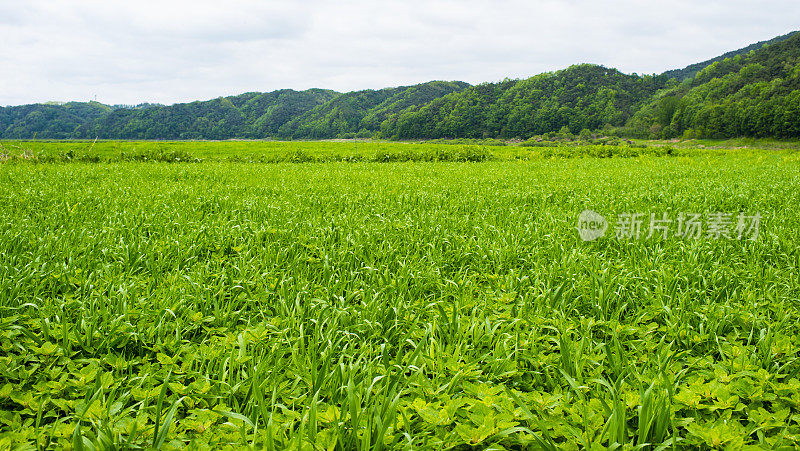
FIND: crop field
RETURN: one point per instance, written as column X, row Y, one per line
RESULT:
column 339, row 296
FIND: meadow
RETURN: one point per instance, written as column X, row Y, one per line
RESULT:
column 323, row 296
column 350, row 151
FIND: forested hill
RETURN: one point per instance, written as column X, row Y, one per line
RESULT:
column 315, row 113
column 362, row 112
column 692, row 70
column 754, row 92
column 251, row 115
column 49, row 120
column 580, row 97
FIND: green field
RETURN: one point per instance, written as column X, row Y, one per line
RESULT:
column 320, row 295
column 328, row 151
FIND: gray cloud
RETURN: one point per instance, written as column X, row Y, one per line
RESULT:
column 171, row 51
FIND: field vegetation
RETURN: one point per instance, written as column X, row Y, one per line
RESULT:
column 460, row 150
column 190, row 295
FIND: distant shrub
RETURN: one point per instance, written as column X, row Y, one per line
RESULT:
column 350, row 158
column 537, row 143
column 62, row 157
column 299, row 156
column 468, row 141
column 611, row 151
column 389, row 157
column 464, row 154
column 453, row 154
column 160, row 156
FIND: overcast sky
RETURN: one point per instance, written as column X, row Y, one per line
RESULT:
column 169, row 51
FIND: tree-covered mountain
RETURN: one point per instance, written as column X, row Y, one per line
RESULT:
column 49, row 120
column 363, row 112
column 753, row 91
column 314, row 113
column 691, row 70
column 250, row 115
column 580, row 97
column 755, row 94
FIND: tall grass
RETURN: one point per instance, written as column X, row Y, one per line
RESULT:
column 397, row 305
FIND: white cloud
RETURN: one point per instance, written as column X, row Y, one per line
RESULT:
column 169, row 51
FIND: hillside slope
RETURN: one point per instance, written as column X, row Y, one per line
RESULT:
column 691, row 70
column 755, row 95
column 314, row 113
column 363, row 111
column 50, row 120
column 580, row 97
column 251, row 115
